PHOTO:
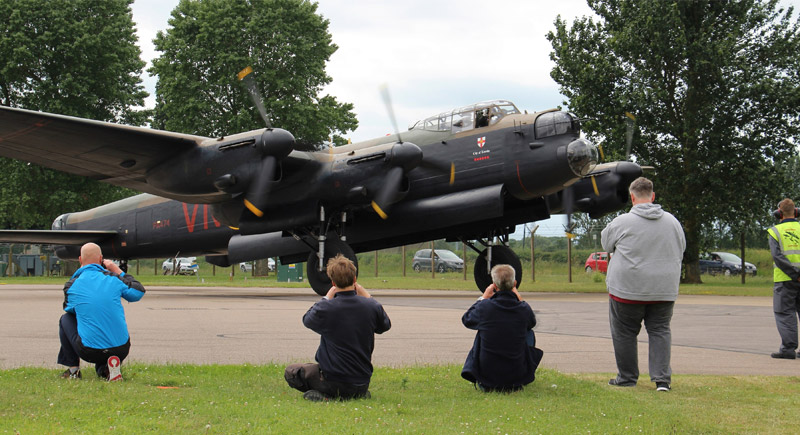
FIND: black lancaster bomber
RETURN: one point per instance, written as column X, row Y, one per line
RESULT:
column 469, row 174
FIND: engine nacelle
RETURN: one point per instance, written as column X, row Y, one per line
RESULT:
column 612, row 189
column 227, row 165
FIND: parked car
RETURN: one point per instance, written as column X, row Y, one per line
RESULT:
column 247, row 266
column 725, row 263
column 186, row 265
column 445, row 261
column 597, row 262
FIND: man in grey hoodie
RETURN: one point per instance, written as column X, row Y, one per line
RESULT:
column 644, row 272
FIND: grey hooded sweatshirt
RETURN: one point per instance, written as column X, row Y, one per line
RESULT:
column 647, row 247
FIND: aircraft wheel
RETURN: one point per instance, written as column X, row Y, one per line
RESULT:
column 320, row 281
column 500, row 255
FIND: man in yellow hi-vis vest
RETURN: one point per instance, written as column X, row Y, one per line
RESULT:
column 784, row 244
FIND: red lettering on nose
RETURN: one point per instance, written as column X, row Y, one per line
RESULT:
column 189, row 223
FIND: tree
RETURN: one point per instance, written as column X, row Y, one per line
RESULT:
column 715, row 87
column 210, row 41
column 72, row 57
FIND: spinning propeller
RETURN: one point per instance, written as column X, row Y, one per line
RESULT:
column 627, row 171
column 403, row 158
column 274, row 144
column 630, row 122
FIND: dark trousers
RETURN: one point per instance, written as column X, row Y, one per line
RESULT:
column 72, row 348
column 308, row 376
column 786, row 305
column 626, row 322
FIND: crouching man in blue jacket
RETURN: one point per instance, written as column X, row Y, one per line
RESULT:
column 93, row 327
column 504, row 356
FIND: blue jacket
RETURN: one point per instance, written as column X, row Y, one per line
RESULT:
column 93, row 295
column 504, row 353
column 347, row 325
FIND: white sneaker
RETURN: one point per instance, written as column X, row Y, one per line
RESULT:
column 114, row 372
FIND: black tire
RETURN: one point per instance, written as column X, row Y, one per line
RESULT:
column 588, row 269
column 441, row 268
column 416, row 267
column 727, row 272
column 320, row 282
column 243, row 267
column 500, row 255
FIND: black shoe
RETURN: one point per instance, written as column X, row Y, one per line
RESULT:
column 616, row 383
column 70, row 375
column 315, row 396
column 662, row 386
column 784, row 355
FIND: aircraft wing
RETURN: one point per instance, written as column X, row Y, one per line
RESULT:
column 53, row 237
column 104, row 151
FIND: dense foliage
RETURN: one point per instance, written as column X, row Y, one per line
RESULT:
column 715, row 87
column 285, row 41
column 71, row 57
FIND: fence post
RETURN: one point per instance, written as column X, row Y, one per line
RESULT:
column 433, row 266
column 464, row 253
column 403, row 259
column 569, row 258
column 533, row 258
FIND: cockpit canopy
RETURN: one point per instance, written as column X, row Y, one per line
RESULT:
column 61, row 222
column 556, row 123
column 466, row 118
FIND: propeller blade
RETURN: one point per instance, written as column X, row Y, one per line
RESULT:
column 246, row 77
column 387, row 100
column 629, row 125
column 259, row 188
column 449, row 169
column 383, row 197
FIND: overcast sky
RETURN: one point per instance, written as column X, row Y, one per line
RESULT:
column 435, row 55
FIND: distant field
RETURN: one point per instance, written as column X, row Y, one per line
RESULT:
column 581, row 282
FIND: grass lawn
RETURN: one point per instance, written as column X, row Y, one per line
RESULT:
column 422, row 399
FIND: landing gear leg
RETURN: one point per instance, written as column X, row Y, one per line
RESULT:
column 327, row 249
column 492, row 255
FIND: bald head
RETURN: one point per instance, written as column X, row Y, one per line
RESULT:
column 90, row 254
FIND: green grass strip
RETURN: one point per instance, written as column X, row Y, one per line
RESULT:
column 420, row 399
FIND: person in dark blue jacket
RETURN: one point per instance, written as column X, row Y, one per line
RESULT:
column 504, row 356
column 93, row 326
column 346, row 319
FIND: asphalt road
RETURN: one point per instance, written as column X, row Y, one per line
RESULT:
column 711, row 334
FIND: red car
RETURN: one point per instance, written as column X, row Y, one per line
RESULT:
column 597, row 262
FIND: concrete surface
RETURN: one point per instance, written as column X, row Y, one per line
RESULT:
column 711, row 334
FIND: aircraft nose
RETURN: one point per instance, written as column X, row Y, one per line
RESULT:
column 582, row 156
